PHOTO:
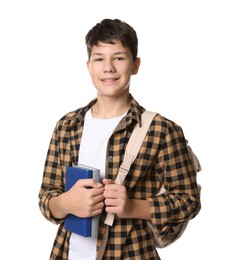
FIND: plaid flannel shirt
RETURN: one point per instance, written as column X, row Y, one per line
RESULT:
column 163, row 160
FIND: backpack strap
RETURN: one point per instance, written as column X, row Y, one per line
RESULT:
column 133, row 146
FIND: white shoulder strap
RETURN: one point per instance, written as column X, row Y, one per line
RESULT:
column 133, row 146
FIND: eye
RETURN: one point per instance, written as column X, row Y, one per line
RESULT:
column 119, row 58
column 98, row 59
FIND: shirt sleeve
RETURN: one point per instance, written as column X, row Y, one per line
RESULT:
column 52, row 182
column 181, row 202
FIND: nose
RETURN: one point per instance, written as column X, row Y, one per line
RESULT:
column 109, row 66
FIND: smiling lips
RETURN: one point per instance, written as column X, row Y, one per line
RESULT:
column 109, row 80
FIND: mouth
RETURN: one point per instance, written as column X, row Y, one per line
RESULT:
column 109, row 80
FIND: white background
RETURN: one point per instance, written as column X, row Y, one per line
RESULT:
column 190, row 73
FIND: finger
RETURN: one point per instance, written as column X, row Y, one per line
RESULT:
column 111, row 202
column 112, row 209
column 96, row 191
column 97, row 208
column 107, row 181
column 97, row 212
column 116, row 187
column 98, row 197
column 111, row 194
column 88, row 183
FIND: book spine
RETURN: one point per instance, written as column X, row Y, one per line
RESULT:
column 95, row 219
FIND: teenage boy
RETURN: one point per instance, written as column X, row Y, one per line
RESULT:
column 96, row 135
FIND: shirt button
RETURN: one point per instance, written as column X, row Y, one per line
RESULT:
column 110, row 158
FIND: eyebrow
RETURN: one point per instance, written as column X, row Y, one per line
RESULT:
column 115, row 53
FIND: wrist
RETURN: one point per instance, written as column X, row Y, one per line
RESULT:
column 58, row 206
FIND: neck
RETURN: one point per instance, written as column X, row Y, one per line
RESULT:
column 106, row 107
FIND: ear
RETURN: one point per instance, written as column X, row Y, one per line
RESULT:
column 89, row 68
column 136, row 66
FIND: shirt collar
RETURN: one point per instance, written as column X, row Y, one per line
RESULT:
column 133, row 114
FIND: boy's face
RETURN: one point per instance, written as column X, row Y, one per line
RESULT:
column 111, row 67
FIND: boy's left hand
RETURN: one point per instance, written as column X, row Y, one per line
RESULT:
column 116, row 199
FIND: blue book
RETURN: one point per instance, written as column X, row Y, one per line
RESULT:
column 87, row 227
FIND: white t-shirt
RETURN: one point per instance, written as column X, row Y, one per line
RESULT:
column 96, row 133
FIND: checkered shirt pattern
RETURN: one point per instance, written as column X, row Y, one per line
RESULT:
column 162, row 160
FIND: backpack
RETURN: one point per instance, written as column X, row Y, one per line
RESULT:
column 131, row 152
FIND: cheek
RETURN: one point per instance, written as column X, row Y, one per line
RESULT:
column 95, row 69
column 128, row 75
column 127, row 72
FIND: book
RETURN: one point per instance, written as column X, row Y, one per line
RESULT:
column 87, row 227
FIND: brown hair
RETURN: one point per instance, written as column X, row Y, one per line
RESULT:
column 110, row 31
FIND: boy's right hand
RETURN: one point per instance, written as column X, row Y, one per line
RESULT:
column 84, row 199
